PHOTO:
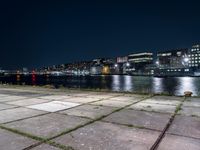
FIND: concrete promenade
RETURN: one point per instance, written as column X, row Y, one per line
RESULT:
column 35, row 118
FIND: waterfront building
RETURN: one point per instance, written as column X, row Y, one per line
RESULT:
column 177, row 58
column 97, row 61
column 96, row 70
column 138, row 62
column 110, row 66
column 122, row 59
column 122, row 65
column 194, row 56
column 144, row 58
column 103, row 66
column 173, row 63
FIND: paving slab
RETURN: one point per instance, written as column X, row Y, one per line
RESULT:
column 90, row 111
column 53, row 106
column 79, row 94
column 12, row 98
column 190, row 111
column 126, row 98
column 149, row 120
column 112, row 103
column 169, row 98
column 193, row 99
column 6, row 106
column 3, row 95
column 173, row 142
column 80, row 99
column 18, row 113
column 92, row 93
column 12, row 141
column 185, row 126
column 164, row 102
column 45, row 147
column 27, row 102
column 153, row 107
column 101, row 96
column 192, row 104
column 49, row 125
column 26, row 94
column 135, row 95
column 107, row 136
column 51, row 97
column 34, row 95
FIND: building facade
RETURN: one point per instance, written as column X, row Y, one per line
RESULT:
column 139, row 61
column 172, row 59
column 173, row 63
column 194, row 56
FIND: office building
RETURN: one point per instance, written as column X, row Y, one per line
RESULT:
column 194, row 56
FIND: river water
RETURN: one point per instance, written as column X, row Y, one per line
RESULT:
column 139, row 84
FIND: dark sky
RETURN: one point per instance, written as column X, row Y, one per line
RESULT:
column 35, row 33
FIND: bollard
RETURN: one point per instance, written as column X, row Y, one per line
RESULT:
column 188, row 93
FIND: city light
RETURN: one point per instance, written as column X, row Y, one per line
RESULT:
column 127, row 64
column 157, row 62
column 106, row 70
column 186, row 59
column 116, row 65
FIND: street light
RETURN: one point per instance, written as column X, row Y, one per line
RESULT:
column 116, row 65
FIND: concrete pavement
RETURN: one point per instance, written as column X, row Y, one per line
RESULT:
column 44, row 119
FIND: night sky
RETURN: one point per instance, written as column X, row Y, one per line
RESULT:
column 42, row 33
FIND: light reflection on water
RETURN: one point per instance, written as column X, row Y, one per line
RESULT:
column 157, row 85
column 169, row 85
column 116, row 83
column 140, row 84
column 122, row 83
column 128, row 83
column 186, row 84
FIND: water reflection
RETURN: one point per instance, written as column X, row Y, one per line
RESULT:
column 158, row 85
column 186, row 84
column 128, row 83
column 33, row 78
column 116, row 83
column 140, row 84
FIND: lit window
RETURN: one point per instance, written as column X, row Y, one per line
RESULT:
column 186, row 70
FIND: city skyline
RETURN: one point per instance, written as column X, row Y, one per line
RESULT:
column 154, row 56
column 43, row 33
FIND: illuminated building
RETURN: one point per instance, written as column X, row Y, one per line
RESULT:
column 138, row 62
column 172, row 58
column 194, row 56
column 96, row 70
column 173, row 63
column 106, row 70
column 145, row 57
column 122, row 59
